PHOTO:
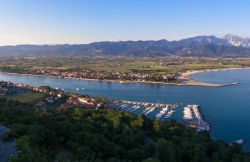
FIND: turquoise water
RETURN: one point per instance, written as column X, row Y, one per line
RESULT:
column 227, row 109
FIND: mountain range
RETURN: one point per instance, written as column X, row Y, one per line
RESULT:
column 230, row 45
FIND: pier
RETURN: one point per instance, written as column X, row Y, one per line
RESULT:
column 193, row 118
column 157, row 111
column 160, row 105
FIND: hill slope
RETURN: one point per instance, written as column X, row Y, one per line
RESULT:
column 104, row 135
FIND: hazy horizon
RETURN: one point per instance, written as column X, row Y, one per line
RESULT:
column 44, row 44
column 82, row 22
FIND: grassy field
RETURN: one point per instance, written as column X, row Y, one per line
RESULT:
column 26, row 98
column 166, row 65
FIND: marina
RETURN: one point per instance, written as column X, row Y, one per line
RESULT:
column 149, row 104
column 151, row 110
column 164, row 114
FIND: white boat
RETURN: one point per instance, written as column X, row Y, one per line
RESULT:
column 187, row 113
column 135, row 107
column 146, row 110
column 239, row 142
column 171, row 112
column 159, row 115
column 151, row 110
column 165, row 109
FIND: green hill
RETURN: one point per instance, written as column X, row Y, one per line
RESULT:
column 106, row 135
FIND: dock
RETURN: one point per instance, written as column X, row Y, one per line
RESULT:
column 160, row 105
column 159, row 111
column 192, row 117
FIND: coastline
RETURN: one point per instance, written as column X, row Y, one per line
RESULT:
column 186, row 75
column 97, row 80
column 185, row 78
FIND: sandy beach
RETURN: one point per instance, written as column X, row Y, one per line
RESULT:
column 97, row 80
column 186, row 77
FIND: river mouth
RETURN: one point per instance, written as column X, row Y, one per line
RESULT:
column 225, row 108
column 220, row 76
column 198, row 77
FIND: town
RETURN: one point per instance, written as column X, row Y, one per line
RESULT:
column 126, row 69
column 138, row 76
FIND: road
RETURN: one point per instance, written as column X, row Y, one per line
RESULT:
column 7, row 149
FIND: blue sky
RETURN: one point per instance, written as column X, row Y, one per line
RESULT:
column 84, row 21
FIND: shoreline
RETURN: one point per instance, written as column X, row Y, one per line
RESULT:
column 187, row 74
column 185, row 78
column 188, row 81
column 97, row 80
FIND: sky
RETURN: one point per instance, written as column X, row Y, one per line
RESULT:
column 85, row 21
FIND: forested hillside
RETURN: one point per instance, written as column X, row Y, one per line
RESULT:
column 102, row 135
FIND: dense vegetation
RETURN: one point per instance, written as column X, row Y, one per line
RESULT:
column 105, row 135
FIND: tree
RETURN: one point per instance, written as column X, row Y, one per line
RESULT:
column 166, row 150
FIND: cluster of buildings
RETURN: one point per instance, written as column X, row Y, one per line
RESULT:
column 3, row 88
column 108, row 75
column 86, row 101
column 76, row 100
column 8, row 88
column 70, row 100
column 53, row 95
column 67, row 100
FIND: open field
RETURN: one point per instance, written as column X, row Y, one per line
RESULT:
column 166, row 65
column 26, row 98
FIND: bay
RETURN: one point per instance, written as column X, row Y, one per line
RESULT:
column 227, row 108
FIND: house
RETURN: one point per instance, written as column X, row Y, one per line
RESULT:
column 109, row 106
column 73, row 100
column 59, row 95
column 3, row 84
column 50, row 100
column 43, row 89
column 67, row 105
column 3, row 91
column 86, row 100
column 40, row 104
column 15, row 90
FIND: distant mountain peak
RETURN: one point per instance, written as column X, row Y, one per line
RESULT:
column 204, row 45
column 237, row 41
column 205, row 40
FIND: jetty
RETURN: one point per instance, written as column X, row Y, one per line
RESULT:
column 193, row 118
